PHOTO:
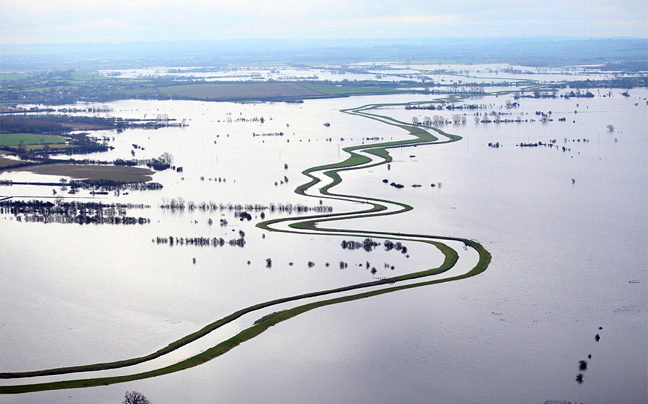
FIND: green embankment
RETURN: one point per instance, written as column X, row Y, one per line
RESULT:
column 301, row 225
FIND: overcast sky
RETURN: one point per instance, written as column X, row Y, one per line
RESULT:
column 46, row 21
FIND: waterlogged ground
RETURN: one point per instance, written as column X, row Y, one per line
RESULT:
column 382, row 71
column 566, row 229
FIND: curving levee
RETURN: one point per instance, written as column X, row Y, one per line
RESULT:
column 326, row 177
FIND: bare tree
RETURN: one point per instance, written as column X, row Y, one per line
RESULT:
column 135, row 397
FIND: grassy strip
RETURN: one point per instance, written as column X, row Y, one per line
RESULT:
column 247, row 334
column 262, row 325
column 450, row 260
column 355, row 161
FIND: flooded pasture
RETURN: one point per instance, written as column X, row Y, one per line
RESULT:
column 566, row 227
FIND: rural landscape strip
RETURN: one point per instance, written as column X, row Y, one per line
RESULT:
column 298, row 226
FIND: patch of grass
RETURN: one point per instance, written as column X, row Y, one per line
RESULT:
column 138, row 92
column 341, row 90
column 52, row 88
column 306, row 225
column 15, row 139
column 262, row 325
column 238, row 91
column 12, row 76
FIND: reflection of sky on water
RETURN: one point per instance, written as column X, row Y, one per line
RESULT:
column 562, row 257
column 439, row 73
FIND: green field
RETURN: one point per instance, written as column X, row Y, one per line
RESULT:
column 52, row 88
column 339, row 90
column 305, row 225
column 238, row 91
column 68, row 86
column 16, row 139
column 12, row 76
column 269, row 90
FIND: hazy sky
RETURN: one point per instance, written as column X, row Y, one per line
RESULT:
column 25, row 21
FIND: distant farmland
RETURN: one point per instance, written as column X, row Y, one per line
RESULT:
column 16, row 139
column 92, row 172
column 251, row 91
column 239, row 91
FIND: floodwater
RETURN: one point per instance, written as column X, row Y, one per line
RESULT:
column 567, row 231
column 380, row 71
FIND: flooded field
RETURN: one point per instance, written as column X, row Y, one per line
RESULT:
column 380, row 71
column 560, row 204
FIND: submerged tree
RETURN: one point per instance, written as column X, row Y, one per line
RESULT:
column 166, row 158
